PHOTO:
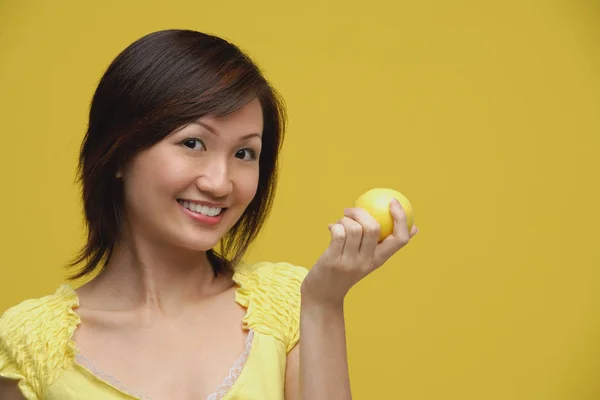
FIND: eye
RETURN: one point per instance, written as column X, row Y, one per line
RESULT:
column 193, row 144
column 246, row 154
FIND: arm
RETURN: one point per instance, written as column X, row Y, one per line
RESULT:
column 319, row 369
column 292, row 374
column 9, row 390
column 15, row 382
column 323, row 356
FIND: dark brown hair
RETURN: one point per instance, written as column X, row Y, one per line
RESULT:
column 160, row 83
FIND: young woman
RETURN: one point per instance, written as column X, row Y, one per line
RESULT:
column 178, row 169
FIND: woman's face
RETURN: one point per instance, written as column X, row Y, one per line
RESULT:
column 190, row 188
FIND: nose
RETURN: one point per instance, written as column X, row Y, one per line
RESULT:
column 214, row 178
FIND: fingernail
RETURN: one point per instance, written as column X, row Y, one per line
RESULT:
column 396, row 202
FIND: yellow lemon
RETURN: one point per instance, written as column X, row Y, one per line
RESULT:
column 377, row 203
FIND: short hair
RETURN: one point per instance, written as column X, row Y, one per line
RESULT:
column 158, row 84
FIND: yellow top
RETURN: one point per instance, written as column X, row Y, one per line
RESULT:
column 36, row 345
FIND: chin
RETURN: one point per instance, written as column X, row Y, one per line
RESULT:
column 196, row 243
column 199, row 245
column 197, row 238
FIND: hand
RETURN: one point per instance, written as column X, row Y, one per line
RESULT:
column 354, row 252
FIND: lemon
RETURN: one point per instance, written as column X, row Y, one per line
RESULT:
column 377, row 203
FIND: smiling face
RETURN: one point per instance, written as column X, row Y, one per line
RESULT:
column 190, row 188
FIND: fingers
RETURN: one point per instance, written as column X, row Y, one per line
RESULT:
column 354, row 233
column 400, row 220
column 370, row 230
column 399, row 237
column 414, row 231
column 338, row 239
column 356, row 236
column 399, row 216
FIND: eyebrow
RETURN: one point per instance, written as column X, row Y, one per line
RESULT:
column 214, row 132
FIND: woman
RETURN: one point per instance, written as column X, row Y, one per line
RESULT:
column 180, row 158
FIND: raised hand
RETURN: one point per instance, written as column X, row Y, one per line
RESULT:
column 353, row 253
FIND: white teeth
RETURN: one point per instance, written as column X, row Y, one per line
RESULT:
column 204, row 210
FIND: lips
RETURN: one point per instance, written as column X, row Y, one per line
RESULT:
column 203, row 209
column 205, row 214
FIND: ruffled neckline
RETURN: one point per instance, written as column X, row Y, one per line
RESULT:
column 74, row 357
column 71, row 299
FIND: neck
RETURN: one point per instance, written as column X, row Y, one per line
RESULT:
column 155, row 277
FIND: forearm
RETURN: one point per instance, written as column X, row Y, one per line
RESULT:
column 323, row 354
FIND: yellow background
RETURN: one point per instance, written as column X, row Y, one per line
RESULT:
column 486, row 114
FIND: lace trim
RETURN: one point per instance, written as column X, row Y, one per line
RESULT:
column 222, row 390
column 235, row 371
column 89, row 365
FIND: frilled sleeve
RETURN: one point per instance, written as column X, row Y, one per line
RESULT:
column 270, row 292
column 35, row 341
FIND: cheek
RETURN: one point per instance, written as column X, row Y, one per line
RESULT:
column 151, row 174
column 172, row 177
column 246, row 186
column 139, row 189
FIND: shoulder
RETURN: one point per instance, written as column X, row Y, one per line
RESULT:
column 274, row 282
column 34, row 339
column 40, row 319
column 271, row 273
column 270, row 291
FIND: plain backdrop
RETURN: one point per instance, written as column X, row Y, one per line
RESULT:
column 485, row 114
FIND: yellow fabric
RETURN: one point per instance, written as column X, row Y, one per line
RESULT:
column 36, row 346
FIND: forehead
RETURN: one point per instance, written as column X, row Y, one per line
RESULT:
column 247, row 119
